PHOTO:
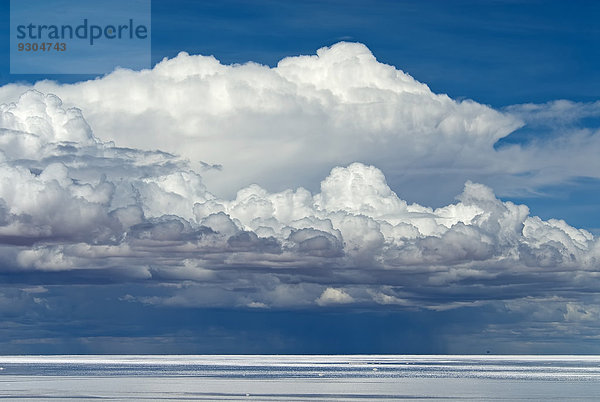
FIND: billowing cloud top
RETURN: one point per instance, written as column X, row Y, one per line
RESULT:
column 333, row 108
column 330, row 109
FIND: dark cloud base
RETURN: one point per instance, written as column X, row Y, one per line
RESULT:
column 83, row 319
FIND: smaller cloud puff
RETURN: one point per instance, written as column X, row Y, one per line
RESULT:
column 332, row 296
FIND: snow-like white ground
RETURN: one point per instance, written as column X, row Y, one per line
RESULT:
column 343, row 377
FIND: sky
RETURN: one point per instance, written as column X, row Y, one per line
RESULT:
column 310, row 177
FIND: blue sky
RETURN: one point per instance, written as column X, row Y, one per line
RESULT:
column 537, row 51
column 178, row 255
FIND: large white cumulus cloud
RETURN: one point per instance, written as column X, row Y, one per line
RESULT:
column 72, row 202
column 333, row 108
column 290, row 124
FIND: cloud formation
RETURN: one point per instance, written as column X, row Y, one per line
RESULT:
column 333, row 108
column 72, row 203
column 248, row 188
column 330, row 109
